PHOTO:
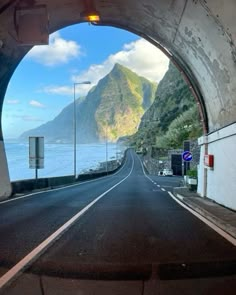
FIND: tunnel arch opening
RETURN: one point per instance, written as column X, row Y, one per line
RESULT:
column 171, row 60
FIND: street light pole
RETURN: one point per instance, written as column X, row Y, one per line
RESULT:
column 106, row 153
column 75, row 125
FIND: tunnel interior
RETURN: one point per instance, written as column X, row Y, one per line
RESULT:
column 198, row 36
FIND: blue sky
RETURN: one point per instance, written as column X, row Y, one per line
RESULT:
column 42, row 84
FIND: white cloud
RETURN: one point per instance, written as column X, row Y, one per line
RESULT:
column 12, row 101
column 37, row 104
column 80, row 90
column 61, row 90
column 59, row 51
column 29, row 118
column 140, row 56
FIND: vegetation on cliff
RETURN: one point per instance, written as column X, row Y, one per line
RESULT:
column 172, row 118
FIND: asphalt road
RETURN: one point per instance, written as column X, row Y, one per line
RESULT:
column 134, row 228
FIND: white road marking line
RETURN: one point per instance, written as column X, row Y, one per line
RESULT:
column 144, row 170
column 180, row 197
column 146, row 174
column 221, row 232
column 34, row 254
column 58, row 189
column 38, row 193
column 163, row 189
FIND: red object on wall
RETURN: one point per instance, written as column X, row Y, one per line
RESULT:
column 209, row 161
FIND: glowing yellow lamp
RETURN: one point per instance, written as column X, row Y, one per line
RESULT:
column 91, row 16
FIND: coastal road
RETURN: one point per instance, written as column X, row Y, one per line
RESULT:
column 132, row 230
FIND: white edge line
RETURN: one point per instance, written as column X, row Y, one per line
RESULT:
column 60, row 188
column 221, row 232
column 34, row 254
column 144, row 170
column 180, row 197
column 163, row 189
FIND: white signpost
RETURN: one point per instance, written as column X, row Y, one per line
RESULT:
column 36, row 153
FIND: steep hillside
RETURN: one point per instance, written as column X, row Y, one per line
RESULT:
column 111, row 109
column 172, row 98
column 173, row 116
column 124, row 100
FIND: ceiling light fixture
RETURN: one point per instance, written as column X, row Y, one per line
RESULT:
column 90, row 14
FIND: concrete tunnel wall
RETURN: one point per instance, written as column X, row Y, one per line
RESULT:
column 221, row 184
column 199, row 35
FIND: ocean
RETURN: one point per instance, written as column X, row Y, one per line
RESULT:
column 58, row 159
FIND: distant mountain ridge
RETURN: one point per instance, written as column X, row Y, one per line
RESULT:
column 111, row 109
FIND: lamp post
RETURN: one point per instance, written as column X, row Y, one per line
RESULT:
column 106, row 153
column 75, row 123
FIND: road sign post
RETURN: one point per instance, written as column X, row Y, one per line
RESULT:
column 36, row 154
column 186, row 158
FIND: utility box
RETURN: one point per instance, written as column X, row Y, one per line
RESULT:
column 209, row 161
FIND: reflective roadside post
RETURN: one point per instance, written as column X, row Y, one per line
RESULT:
column 75, row 123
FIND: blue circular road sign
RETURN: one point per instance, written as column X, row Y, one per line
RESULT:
column 187, row 156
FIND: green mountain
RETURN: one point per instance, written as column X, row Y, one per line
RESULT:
column 173, row 116
column 111, row 109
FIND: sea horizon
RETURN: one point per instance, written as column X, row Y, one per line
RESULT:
column 59, row 158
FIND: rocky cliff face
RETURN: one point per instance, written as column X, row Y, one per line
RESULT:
column 173, row 116
column 111, row 109
column 172, row 99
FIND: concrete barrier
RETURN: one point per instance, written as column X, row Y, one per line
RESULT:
column 92, row 175
column 29, row 185
column 101, row 173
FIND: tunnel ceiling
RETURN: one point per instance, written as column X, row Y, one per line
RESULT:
column 200, row 37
